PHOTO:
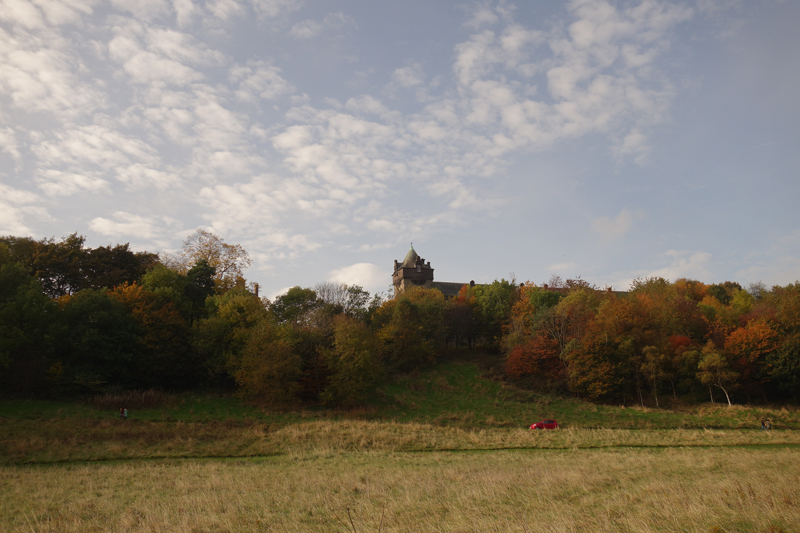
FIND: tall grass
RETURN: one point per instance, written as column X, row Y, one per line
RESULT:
column 92, row 440
column 631, row 490
column 132, row 399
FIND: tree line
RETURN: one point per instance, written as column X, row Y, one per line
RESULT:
column 660, row 341
column 78, row 321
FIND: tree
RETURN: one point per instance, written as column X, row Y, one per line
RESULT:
column 655, row 366
column 783, row 365
column 199, row 288
column 351, row 300
column 538, row 358
column 495, row 301
column 459, row 318
column 66, row 267
column 165, row 359
column 268, row 369
column 748, row 347
column 409, row 328
column 354, row 360
column 714, row 369
column 108, row 267
column 57, row 264
column 295, row 307
column 220, row 339
column 103, row 342
column 229, row 261
column 30, row 329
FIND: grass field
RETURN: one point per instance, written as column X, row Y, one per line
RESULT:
column 674, row 489
column 443, row 450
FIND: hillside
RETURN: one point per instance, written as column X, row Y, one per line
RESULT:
column 450, row 406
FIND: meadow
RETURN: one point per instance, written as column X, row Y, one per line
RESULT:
column 442, row 450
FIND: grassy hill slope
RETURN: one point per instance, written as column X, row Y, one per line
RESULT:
column 448, row 407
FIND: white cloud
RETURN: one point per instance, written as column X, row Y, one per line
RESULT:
column 366, row 275
column 185, row 12
column 683, row 264
column 599, row 78
column 128, row 225
column 94, row 145
column 481, row 16
column 161, row 63
column 58, row 183
column 275, row 8
column 182, row 47
column 309, row 28
column 611, row 229
column 259, row 79
column 21, row 12
column 16, row 205
column 8, row 143
column 40, row 73
column 139, row 176
column 146, row 10
column 409, row 76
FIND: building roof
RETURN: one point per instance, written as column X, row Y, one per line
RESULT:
column 447, row 288
column 412, row 258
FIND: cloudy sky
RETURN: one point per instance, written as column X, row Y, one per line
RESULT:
column 606, row 139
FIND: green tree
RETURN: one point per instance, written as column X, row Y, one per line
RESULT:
column 57, row 264
column 495, row 302
column 783, row 364
column 107, row 266
column 103, row 343
column 295, row 307
column 30, row 330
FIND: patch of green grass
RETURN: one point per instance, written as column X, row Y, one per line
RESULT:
column 453, row 393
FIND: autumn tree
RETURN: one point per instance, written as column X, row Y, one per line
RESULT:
column 220, row 338
column 460, row 319
column 409, row 328
column 656, row 366
column 354, row 362
column 229, row 261
column 748, row 348
column 267, row 370
column 714, row 369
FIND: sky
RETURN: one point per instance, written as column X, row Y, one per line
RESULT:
column 603, row 139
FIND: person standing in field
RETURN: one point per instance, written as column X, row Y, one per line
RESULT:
column 769, row 424
column 121, row 414
column 763, row 424
column 124, row 414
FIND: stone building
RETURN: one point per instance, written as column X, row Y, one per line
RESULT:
column 415, row 271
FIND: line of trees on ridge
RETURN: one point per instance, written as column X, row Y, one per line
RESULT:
column 78, row 321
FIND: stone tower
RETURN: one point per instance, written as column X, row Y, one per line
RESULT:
column 412, row 271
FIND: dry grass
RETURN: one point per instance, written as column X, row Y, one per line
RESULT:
column 48, row 441
column 132, row 399
column 630, row 490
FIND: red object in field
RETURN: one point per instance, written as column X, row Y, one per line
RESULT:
column 545, row 424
